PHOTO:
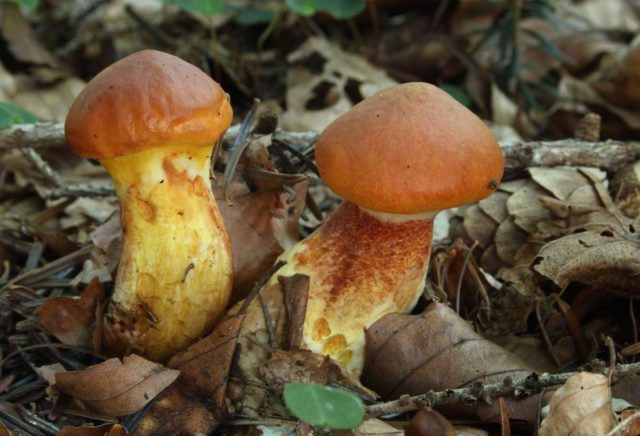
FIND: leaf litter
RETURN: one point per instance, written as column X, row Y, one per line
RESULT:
column 553, row 269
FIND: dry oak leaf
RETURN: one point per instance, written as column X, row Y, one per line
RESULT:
column 605, row 258
column 261, row 226
column 117, row 388
column 194, row 404
column 72, row 319
column 582, row 406
column 436, row 350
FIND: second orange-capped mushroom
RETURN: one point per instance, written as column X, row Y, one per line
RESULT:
column 397, row 158
column 152, row 119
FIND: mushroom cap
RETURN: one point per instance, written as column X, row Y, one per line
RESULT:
column 148, row 99
column 409, row 149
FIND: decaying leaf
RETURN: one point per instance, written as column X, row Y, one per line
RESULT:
column 412, row 354
column 429, row 422
column 306, row 367
column 72, row 319
column 582, row 406
column 194, row 403
column 247, row 392
column 597, row 258
column 261, row 226
column 313, row 100
column 117, row 388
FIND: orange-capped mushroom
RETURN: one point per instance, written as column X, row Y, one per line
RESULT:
column 397, row 158
column 152, row 120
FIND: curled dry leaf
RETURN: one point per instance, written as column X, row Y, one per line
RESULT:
column 117, row 388
column 72, row 319
column 436, row 350
column 194, row 403
column 582, row 406
column 605, row 258
column 261, row 226
column 429, row 422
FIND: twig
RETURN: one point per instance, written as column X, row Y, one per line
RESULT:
column 612, row 357
column 610, row 155
column 41, row 165
column 38, row 135
column 623, row 424
column 259, row 285
column 519, row 389
column 240, row 143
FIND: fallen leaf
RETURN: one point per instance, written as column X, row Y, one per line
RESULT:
column 194, row 403
column 429, row 422
column 582, row 406
column 296, row 296
column 436, row 350
column 261, row 225
column 59, row 243
column 299, row 367
column 72, row 319
column 597, row 258
column 100, row 430
column 314, row 99
column 117, row 388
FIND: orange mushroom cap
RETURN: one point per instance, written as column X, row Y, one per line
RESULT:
column 411, row 148
column 148, row 99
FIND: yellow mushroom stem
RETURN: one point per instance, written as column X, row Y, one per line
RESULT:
column 362, row 265
column 174, row 277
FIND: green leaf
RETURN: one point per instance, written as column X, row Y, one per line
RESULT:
column 306, row 8
column 204, row 7
column 341, row 9
column 458, row 93
column 10, row 115
column 324, row 406
column 251, row 16
column 29, row 4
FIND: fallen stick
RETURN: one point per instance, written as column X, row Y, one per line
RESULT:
column 610, row 155
column 525, row 387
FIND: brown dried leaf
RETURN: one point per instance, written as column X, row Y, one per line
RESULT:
column 261, row 226
column 72, row 320
column 296, row 296
column 525, row 209
column 412, row 354
column 59, row 243
column 495, row 206
column 194, row 404
column 299, row 367
column 561, row 181
column 429, row 422
column 595, row 258
column 508, row 239
column 582, row 406
column 117, row 388
column 100, row 430
column 479, row 225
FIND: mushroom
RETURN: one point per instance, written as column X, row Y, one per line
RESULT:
column 151, row 119
column 397, row 158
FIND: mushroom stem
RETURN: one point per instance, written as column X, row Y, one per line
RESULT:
column 174, row 277
column 362, row 265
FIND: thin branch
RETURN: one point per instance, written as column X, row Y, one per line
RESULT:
column 532, row 384
column 610, row 155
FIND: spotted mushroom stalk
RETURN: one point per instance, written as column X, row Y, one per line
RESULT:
column 397, row 158
column 151, row 119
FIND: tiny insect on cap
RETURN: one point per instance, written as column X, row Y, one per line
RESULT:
column 409, row 149
column 148, row 99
